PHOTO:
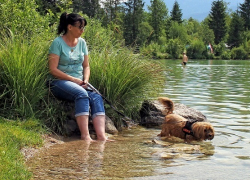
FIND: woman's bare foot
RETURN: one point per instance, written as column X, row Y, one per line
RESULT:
column 87, row 138
column 105, row 139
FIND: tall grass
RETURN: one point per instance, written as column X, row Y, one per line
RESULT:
column 122, row 77
column 23, row 66
column 125, row 79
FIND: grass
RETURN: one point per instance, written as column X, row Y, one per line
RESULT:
column 14, row 136
column 23, row 74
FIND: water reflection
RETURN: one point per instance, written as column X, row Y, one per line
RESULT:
column 74, row 159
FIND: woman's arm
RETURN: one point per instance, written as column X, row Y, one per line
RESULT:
column 86, row 69
column 53, row 64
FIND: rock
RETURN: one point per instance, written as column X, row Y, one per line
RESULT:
column 110, row 127
column 70, row 126
column 153, row 113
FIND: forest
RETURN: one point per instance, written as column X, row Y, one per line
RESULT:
column 161, row 32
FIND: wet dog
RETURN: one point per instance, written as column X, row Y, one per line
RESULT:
column 178, row 126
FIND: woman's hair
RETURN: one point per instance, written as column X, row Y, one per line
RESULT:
column 67, row 19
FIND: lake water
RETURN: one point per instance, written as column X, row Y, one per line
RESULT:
column 219, row 89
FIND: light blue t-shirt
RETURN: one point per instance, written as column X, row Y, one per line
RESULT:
column 71, row 58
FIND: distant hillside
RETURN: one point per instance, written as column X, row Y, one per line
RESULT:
column 197, row 9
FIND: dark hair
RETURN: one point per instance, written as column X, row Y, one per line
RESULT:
column 66, row 19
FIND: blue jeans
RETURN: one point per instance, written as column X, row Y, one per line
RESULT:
column 85, row 100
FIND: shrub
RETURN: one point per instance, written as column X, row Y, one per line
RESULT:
column 196, row 50
column 238, row 53
column 22, row 18
column 219, row 48
column 226, row 55
column 175, row 48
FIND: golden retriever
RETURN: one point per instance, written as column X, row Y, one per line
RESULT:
column 178, row 126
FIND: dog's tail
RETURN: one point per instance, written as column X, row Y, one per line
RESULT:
column 168, row 104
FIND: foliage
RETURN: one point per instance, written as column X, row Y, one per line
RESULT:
column 235, row 31
column 245, row 13
column 196, row 50
column 124, row 79
column 24, row 70
column 238, row 53
column 145, row 31
column 91, row 8
column 217, row 21
column 205, row 33
column 176, row 14
column 192, row 26
column 14, row 136
column 226, row 55
column 132, row 20
column 178, row 31
column 158, row 15
column 21, row 17
column 219, row 48
column 174, row 48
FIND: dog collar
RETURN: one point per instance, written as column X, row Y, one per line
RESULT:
column 187, row 129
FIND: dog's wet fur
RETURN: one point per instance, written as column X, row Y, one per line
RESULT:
column 174, row 123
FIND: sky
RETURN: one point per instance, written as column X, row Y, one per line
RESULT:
column 197, row 9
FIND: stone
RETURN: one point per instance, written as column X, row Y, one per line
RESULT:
column 153, row 113
column 70, row 126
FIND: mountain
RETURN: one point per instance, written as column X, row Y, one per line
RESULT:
column 197, row 9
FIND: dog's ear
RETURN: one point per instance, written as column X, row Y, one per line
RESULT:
column 199, row 132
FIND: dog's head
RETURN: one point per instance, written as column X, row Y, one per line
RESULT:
column 203, row 131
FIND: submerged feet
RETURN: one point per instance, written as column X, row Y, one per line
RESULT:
column 89, row 139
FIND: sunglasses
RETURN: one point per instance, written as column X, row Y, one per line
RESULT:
column 80, row 27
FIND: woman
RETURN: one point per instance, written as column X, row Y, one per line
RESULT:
column 70, row 72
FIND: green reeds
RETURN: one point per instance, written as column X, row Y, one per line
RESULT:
column 121, row 76
column 23, row 66
column 125, row 79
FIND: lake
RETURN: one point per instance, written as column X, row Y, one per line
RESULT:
column 217, row 88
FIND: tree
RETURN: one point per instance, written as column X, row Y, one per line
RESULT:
column 158, row 16
column 111, row 8
column 132, row 20
column 89, row 7
column 176, row 14
column 245, row 13
column 178, row 31
column 217, row 21
column 235, row 30
column 205, row 33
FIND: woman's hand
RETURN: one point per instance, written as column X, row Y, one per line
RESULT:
column 85, row 84
column 77, row 81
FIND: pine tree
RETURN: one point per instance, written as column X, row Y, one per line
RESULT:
column 89, row 7
column 217, row 21
column 176, row 14
column 132, row 20
column 112, row 7
column 245, row 13
column 235, row 30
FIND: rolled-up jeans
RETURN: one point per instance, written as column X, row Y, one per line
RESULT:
column 84, row 99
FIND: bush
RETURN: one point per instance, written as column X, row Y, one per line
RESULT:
column 219, row 48
column 22, row 18
column 196, row 50
column 226, row 55
column 238, row 53
column 175, row 48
